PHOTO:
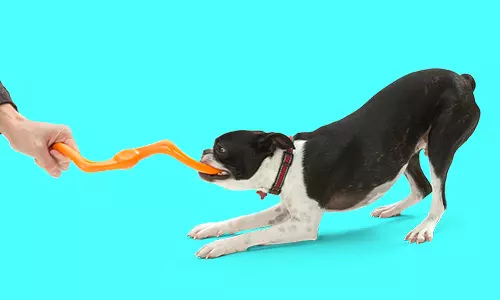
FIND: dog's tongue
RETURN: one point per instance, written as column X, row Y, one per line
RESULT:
column 262, row 194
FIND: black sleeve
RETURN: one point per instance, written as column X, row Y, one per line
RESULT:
column 5, row 97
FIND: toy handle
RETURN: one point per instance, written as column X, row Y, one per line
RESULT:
column 128, row 158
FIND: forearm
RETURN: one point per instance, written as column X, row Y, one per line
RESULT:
column 9, row 116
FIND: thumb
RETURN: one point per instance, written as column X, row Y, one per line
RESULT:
column 65, row 136
column 47, row 162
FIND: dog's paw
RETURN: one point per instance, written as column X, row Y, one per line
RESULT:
column 387, row 211
column 220, row 248
column 208, row 230
column 424, row 232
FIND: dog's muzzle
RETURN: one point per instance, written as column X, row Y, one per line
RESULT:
column 209, row 159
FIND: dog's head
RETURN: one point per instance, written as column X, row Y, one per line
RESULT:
column 240, row 154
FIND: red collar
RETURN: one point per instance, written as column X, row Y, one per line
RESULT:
column 286, row 162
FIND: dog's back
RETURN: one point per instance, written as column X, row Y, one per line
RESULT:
column 349, row 158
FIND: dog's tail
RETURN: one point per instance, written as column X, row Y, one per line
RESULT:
column 470, row 81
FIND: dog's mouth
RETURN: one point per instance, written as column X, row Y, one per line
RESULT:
column 208, row 158
column 212, row 177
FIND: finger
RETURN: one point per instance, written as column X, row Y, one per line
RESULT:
column 38, row 163
column 72, row 144
column 48, row 162
column 63, row 134
column 67, row 138
column 61, row 160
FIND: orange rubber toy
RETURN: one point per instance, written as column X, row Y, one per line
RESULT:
column 128, row 158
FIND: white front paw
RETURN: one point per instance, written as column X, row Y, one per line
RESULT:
column 207, row 230
column 221, row 247
column 424, row 232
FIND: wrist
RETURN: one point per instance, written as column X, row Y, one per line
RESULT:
column 9, row 118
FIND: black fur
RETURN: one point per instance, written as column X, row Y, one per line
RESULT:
column 345, row 160
column 242, row 152
column 414, row 172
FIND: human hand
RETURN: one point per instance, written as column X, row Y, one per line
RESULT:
column 35, row 139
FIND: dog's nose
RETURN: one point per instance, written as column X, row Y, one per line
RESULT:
column 207, row 151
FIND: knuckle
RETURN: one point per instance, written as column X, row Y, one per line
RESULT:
column 39, row 145
column 66, row 128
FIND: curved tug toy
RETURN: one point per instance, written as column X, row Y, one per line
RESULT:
column 128, row 158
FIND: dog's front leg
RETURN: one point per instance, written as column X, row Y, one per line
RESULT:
column 302, row 226
column 270, row 216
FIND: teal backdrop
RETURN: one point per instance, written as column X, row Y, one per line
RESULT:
column 123, row 74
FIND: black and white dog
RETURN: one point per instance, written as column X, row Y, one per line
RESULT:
column 347, row 164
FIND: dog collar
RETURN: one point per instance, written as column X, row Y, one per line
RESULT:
column 286, row 162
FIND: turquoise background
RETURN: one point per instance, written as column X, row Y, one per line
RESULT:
column 127, row 73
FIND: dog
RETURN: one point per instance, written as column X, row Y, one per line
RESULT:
column 347, row 164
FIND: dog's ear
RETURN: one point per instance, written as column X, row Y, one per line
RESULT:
column 273, row 140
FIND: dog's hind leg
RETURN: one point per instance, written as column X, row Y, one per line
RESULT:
column 271, row 216
column 457, row 120
column 419, row 189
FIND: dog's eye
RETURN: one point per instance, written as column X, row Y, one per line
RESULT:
column 221, row 149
